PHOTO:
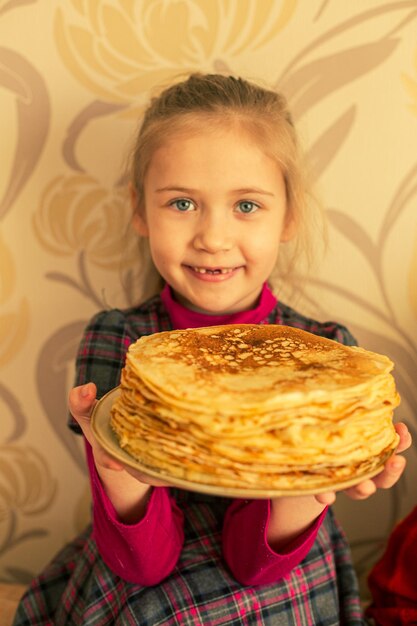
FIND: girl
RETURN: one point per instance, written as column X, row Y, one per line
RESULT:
column 216, row 189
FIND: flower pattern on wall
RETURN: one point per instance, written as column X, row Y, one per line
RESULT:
column 412, row 273
column 410, row 83
column 32, row 108
column 14, row 317
column 77, row 217
column 76, row 214
column 118, row 50
column 26, row 490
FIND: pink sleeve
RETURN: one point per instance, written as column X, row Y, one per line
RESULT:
column 246, row 550
column 129, row 549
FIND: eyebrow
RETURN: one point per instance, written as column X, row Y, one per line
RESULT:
column 176, row 188
column 243, row 190
column 262, row 192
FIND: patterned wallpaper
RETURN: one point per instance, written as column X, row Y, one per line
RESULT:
column 74, row 77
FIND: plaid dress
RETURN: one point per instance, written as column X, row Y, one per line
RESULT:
column 78, row 588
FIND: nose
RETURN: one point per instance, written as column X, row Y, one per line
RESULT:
column 213, row 232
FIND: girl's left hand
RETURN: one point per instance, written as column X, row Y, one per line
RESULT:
column 392, row 471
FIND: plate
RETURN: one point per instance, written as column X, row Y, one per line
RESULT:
column 100, row 423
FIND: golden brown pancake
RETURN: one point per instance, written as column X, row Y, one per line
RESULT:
column 255, row 406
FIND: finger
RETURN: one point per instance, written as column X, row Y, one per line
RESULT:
column 81, row 403
column 82, row 400
column 326, row 498
column 405, row 437
column 392, row 471
column 362, row 490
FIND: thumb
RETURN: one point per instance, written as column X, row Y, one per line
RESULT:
column 81, row 402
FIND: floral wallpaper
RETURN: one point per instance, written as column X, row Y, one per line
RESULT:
column 74, row 78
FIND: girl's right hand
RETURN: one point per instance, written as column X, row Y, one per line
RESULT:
column 128, row 490
column 82, row 401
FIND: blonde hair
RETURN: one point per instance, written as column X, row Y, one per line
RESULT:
column 227, row 101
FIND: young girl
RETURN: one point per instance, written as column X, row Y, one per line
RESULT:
column 216, row 189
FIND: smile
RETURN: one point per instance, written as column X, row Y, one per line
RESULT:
column 214, row 270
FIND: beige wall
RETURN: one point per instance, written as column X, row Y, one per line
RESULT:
column 74, row 75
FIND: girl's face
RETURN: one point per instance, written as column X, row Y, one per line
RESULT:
column 215, row 213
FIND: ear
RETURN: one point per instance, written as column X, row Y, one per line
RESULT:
column 138, row 214
column 289, row 228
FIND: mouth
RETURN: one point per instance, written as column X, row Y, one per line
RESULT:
column 212, row 270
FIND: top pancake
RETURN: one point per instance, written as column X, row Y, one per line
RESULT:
column 261, row 365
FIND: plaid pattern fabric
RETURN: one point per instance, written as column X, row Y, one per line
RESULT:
column 77, row 588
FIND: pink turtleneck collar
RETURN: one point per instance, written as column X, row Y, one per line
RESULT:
column 181, row 317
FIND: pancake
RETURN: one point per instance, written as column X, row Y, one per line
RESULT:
column 255, row 406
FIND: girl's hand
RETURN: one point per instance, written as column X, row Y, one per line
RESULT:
column 391, row 473
column 82, row 401
column 128, row 491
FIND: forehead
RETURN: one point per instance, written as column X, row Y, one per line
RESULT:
column 205, row 147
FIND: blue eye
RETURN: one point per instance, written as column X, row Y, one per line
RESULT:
column 246, row 206
column 183, row 205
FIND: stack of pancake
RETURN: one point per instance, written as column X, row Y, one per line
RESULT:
column 255, row 406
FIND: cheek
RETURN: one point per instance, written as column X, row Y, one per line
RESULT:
column 263, row 244
column 170, row 235
column 165, row 249
column 158, row 250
